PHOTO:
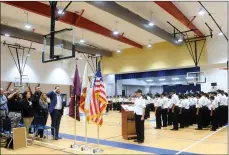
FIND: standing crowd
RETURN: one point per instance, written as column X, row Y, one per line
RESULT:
column 27, row 109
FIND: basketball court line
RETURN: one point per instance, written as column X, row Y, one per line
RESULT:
column 122, row 145
column 200, row 140
column 184, row 138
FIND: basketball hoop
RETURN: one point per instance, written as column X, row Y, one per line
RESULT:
column 196, row 78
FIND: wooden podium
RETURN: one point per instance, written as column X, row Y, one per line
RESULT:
column 128, row 124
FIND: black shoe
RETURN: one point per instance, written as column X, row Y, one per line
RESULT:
column 56, row 138
column 157, row 128
column 59, row 137
column 164, row 126
column 136, row 140
column 213, row 130
column 140, row 142
column 182, row 127
column 198, row 129
column 174, row 129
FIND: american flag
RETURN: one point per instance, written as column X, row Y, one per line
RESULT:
column 98, row 101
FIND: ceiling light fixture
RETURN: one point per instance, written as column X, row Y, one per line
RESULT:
column 201, row 12
column 118, row 51
column 176, row 78
column 149, row 80
column 7, row 35
column 82, row 41
column 180, row 40
column 60, row 11
column 151, row 19
column 189, row 77
column 151, row 24
column 27, row 25
column 161, row 79
column 116, row 32
column 149, row 45
column 220, row 34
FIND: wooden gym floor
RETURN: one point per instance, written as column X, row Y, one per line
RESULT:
column 164, row 141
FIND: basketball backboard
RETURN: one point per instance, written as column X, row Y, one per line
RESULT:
column 63, row 46
column 21, row 81
column 196, row 78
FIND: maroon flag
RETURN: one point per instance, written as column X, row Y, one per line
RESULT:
column 75, row 97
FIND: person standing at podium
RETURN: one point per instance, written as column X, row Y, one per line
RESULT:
column 139, row 109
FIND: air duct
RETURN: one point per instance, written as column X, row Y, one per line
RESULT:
column 38, row 38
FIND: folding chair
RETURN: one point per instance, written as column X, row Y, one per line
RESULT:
column 40, row 124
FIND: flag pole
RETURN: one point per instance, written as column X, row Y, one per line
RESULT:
column 76, row 146
column 98, row 135
column 85, row 147
column 75, row 125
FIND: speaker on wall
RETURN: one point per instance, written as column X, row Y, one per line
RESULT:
column 214, row 84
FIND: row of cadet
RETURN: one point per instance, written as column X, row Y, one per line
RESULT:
column 183, row 110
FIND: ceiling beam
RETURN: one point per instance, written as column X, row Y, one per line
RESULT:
column 70, row 18
column 133, row 18
column 176, row 13
column 39, row 38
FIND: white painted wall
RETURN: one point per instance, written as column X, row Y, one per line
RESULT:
column 217, row 55
column 215, row 75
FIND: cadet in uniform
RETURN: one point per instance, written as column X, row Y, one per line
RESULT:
column 175, row 109
column 114, row 101
column 191, row 109
column 157, row 105
column 186, row 112
column 169, row 111
column 181, row 112
column 224, row 107
column 213, row 107
column 199, row 112
column 120, row 101
column 165, row 103
column 147, row 111
column 140, row 106
column 206, row 115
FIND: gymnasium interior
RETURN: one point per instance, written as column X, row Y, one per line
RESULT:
column 153, row 46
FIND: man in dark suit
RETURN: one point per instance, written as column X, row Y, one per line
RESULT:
column 56, row 109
